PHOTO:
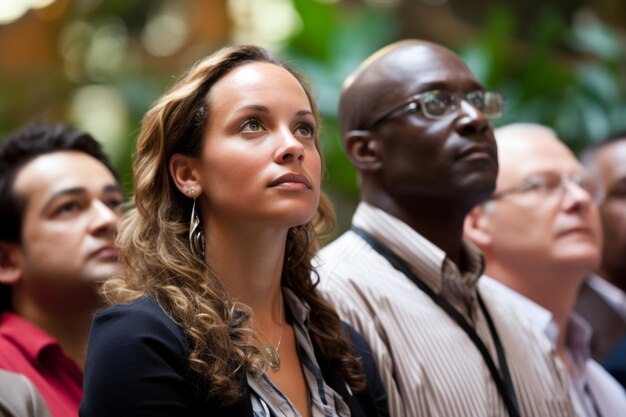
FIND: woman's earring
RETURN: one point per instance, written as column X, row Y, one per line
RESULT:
column 196, row 237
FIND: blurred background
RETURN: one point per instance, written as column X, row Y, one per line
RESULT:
column 99, row 64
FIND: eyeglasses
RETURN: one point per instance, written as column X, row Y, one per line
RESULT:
column 438, row 104
column 546, row 184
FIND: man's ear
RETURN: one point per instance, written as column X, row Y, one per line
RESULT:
column 363, row 150
column 10, row 263
column 476, row 227
column 184, row 171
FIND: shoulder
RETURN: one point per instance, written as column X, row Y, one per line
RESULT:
column 143, row 308
column 504, row 300
column 359, row 282
column 19, row 397
column 143, row 314
column 137, row 346
column 602, row 379
column 611, row 394
column 136, row 328
column 349, row 260
column 341, row 251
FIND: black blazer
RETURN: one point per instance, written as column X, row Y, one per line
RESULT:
column 615, row 363
column 137, row 365
column 608, row 326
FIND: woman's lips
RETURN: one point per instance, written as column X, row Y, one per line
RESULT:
column 291, row 181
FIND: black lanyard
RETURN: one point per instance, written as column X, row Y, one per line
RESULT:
column 504, row 381
column 592, row 398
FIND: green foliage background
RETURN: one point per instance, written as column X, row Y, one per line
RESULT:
column 569, row 77
column 562, row 69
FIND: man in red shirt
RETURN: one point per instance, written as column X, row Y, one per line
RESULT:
column 60, row 201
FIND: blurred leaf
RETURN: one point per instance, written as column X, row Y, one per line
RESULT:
column 596, row 39
column 617, row 117
column 544, row 82
column 598, row 81
column 490, row 57
column 318, row 19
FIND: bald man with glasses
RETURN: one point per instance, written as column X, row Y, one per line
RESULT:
column 541, row 237
column 415, row 124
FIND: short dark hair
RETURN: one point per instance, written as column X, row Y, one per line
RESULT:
column 26, row 144
column 17, row 150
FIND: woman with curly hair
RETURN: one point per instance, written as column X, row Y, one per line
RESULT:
column 215, row 312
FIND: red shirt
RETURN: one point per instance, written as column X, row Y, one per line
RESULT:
column 28, row 350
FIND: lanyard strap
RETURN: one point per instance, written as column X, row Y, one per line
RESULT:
column 592, row 398
column 503, row 382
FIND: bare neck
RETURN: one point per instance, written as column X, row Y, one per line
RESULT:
column 249, row 263
column 69, row 328
column 553, row 289
column 441, row 224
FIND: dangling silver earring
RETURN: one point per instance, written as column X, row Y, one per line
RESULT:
column 196, row 237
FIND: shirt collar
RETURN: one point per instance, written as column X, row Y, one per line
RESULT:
column 31, row 339
column 578, row 337
column 298, row 308
column 577, row 332
column 538, row 316
column 404, row 241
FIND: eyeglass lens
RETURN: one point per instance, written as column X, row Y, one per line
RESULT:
column 553, row 181
column 436, row 104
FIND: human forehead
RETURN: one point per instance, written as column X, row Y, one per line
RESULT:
column 51, row 173
column 611, row 160
column 533, row 152
column 256, row 81
column 421, row 68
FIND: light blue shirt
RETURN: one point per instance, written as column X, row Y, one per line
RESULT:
column 324, row 401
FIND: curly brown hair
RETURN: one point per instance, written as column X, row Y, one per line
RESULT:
column 156, row 258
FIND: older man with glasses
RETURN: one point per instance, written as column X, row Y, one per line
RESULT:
column 541, row 237
column 414, row 122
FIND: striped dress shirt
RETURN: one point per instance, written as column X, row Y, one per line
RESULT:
column 268, row 400
column 429, row 365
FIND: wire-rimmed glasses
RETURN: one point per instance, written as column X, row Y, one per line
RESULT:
column 438, row 104
column 549, row 183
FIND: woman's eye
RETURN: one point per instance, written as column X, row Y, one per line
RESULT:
column 251, row 125
column 305, row 130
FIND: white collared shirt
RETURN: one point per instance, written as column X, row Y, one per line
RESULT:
column 589, row 382
column 429, row 366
